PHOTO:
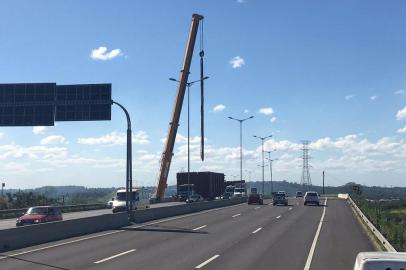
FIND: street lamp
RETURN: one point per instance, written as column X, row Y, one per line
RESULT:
column 270, row 165
column 263, row 160
column 241, row 121
column 188, row 84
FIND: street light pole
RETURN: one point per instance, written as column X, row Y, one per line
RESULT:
column 188, row 84
column 263, row 160
column 240, row 121
column 270, row 165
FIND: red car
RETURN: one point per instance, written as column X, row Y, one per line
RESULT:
column 40, row 214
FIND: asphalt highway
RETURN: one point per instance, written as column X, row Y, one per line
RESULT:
column 235, row 237
column 11, row 223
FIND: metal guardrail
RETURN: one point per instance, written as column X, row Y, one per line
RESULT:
column 371, row 226
column 13, row 213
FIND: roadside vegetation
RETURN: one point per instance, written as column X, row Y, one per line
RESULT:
column 55, row 196
column 388, row 216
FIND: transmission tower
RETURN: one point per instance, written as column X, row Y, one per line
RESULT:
column 306, row 179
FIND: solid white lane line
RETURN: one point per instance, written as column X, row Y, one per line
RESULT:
column 257, row 207
column 198, row 228
column 290, row 208
column 207, row 261
column 236, row 215
column 115, row 256
column 313, row 247
column 257, row 230
column 5, row 256
column 278, row 217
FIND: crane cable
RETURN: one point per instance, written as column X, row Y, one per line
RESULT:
column 201, row 54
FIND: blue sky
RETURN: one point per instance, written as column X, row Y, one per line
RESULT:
column 332, row 72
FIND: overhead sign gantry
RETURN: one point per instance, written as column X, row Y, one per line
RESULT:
column 41, row 104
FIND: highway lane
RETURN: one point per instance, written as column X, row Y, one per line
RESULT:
column 237, row 237
column 11, row 223
column 341, row 238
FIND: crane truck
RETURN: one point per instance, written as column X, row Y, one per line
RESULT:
column 173, row 125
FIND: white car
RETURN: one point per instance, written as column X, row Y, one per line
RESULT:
column 380, row 260
column 194, row 198
column 109, row 204
column 239, row 192
column 311, row 197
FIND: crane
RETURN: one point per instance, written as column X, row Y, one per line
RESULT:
column 177, row 108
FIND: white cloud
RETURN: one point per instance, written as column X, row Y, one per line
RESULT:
column 237, row 62
column 246, row 111
column 266, row 111
column 402, row 130
column 53, row 139
column 183, row 139
column 373, row 97
column 39, row 130
column 401, row 114
column 348, row 97
column 115, row 138
column 101, row 53
column 12, row 151
column 273, row 119
column 219, row 108
column 400, row 92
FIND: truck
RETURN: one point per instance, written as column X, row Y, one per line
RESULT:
column 139, row 197
column 209, row 185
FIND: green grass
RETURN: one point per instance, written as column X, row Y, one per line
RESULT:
column 400, row 211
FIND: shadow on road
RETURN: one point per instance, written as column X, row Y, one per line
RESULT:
column 32, row 262
column 164, row 229
column 315, row 205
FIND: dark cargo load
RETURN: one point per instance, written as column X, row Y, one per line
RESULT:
column 207, row 184
column 239, row 183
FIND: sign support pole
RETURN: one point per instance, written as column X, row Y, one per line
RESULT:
column 129, row 178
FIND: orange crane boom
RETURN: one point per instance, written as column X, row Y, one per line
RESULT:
column 177, row 108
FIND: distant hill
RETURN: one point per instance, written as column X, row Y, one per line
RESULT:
column 84, row 194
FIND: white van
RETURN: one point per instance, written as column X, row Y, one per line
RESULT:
column 380, row 260
column 139, row 197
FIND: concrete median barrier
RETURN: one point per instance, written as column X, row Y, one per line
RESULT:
column 141, row 216
column 20, row 237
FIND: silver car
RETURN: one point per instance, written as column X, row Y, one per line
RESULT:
column 311, row 197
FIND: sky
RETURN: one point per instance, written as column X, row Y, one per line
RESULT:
column 331, row 72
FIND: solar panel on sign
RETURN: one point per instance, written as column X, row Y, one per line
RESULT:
column 83, row 102
column 27, row 104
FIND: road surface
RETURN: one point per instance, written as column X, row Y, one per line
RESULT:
column 235, row 237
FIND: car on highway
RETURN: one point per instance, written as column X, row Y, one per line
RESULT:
column 280, row 199
column 380, row 260
column 194, row 198
column 255, row 198
column 311, row 197
column 299, row 194
column 109, row 204
column 40, row 214
column 239, row 192
column 139, row 197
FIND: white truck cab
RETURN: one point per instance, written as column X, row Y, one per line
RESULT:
column 139, row 197
column 380, row 260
